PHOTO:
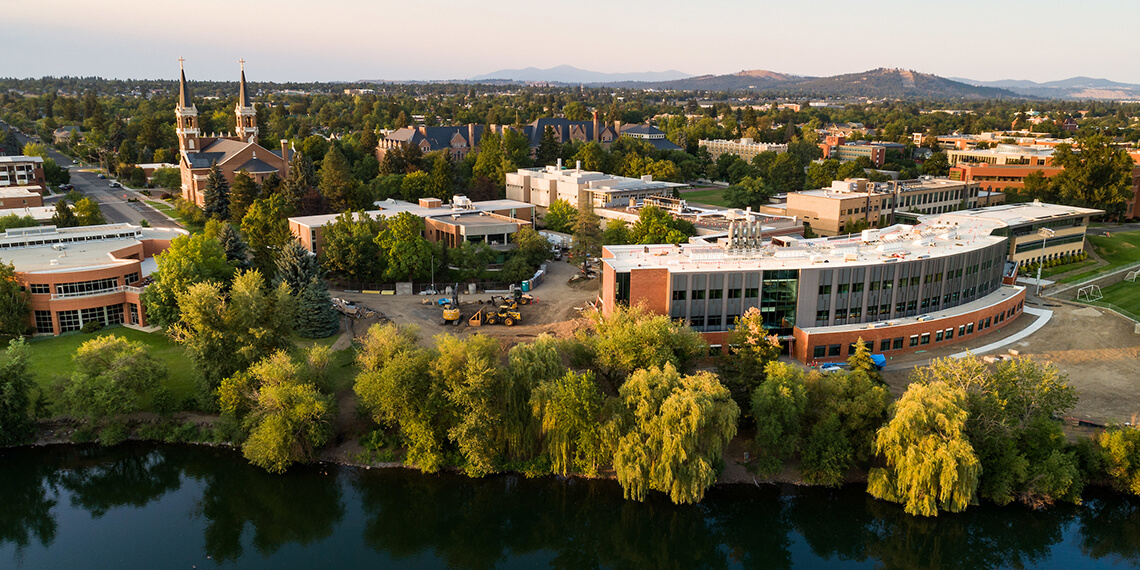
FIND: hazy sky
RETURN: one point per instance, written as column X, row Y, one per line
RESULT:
column 283, row 40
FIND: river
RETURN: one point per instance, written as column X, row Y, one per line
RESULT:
column 148, row 506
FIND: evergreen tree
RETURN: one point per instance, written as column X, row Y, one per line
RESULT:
column 338, row 186
column 316, row 317
column 442, row 182
column 302, row 180
column 237, row 251
column 243, row 193
column 548, row 149
column 368, row 141
column 217, row 195
column 63, row 216
column 587, row 236
column 296, row 267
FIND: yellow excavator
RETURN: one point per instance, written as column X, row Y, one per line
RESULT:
column 512, row 303
column 451, row 313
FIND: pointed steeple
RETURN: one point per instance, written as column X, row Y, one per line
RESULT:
column 243, row 94
column 185, row 98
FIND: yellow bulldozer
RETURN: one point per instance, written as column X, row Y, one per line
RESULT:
column 489, row 315
column 451, row 313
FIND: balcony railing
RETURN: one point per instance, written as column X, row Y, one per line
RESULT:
column 119, row 289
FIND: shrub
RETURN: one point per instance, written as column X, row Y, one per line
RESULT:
column 113, row 434
column 163, row 401
column 165, row 196
column 91, row 326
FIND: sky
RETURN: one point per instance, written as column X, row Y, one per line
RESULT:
column 346, row 40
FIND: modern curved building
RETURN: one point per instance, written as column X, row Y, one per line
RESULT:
column 902, row 288
column 89, row 273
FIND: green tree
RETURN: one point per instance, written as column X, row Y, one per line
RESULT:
column 634, row 338
column 930, row 464
column 169, row 178
column 472, row 258
column 16, row 383
column 748, row 193
column 112, row 376
column 350, row 247
column 561, row 216
column 15, row 304
column 296, row 267
column 936, row 165
column 242, row 195
column 575, row 432
column 338, row 185
column 1096, row 173
column 316, row 316
column 1121, row 450
column 778, row 408
column 227, row 332
column 234, row 246
column 266, row 229
column 64, row 217
column 87, row 213
column 407, row 252
column 415, row 185
column 280, row 405
column 530, row 246
column 301, row 183
column 441, row 182
column 17, row 221
column 529, row 365
column 655, row 225
column 742, row 369
column 549, row 148
column 593, row 157
column 861, row 361
column 587, row 236
column 216, row 197
column 674, row 430
column 786, row 174
column 468, row 370
column 189, row 259
column 616, row 233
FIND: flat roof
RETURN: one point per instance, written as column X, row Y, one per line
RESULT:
column 20, row 158
column 392, row 207
column 18, row 191
column 1016, row 214
column 47, row 249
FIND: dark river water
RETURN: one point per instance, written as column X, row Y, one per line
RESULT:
column 146, row 506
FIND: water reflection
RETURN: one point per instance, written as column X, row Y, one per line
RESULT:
column 25, row 505
column 302, row 507
column 242, row 514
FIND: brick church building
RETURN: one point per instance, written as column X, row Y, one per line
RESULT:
column 233, row 152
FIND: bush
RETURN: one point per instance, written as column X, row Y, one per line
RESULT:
column 165, row 196
column 163, row 402
column 91, row 326
column 113, row 434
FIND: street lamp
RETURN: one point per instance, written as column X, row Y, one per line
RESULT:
column 1045, row 234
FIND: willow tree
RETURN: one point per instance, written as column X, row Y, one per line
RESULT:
column 280, row 405
column 529, row 365
column 931, row 466
column 674, row 431
column 778, row 407
column 467, row 369
column 576, row 436
column 633, row 338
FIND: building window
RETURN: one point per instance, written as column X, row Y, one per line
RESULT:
column 734, row 293
column 884, row 344
column 621, row 289
column 68, row 321
column 896, row 344
column 697, row 322
column 713, row 321
column 938, row 336
column 130, row 278
column 752, row 292
column 857, row 288
column 40, row 288
column 949, row 334
column 874, row 285
column 970, row 328
column 987, row 322
column 914, row 340
column 961, row 330
column 843, row 288
column 855, row 313
column 678, row 295
column 43, row 321
column 925, row 338
column 730, row 321
column 87, row 287
column 818, row 351
column 697, row 295
column 716, row 294
column 834, row 350
column 821, row 317
column 825, row 289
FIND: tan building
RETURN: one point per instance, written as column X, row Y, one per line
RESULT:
column 232, row 153
column 1002, row 154
column 492, row 222
column 1037, row 231
column 542, row 186
column 745, row 148
column 828, row 210
column 81, row 274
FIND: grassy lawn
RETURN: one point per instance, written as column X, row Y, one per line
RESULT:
column 1119, row 250
column 1124, row 296
column 51, row 357
column 1047, row 273
column 711, row 197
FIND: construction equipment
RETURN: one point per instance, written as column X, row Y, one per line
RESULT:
column 488, row 315
column 523, row 298
column 451, row 312
column 513, row 302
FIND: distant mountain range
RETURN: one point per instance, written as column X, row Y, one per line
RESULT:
column 570, row 74
column 876, row 83
column 1071, row 88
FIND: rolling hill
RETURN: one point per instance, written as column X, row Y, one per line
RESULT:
column 571, row 74
column 1071, row 88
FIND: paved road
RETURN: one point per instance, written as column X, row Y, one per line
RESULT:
column 112, row 201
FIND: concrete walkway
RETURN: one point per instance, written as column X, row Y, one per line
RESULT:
column 1043, row 317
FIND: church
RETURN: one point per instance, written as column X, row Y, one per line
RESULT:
column 233, row 152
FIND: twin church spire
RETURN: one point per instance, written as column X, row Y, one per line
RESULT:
column 187, row 114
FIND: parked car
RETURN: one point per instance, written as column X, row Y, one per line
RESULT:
column 102, row 176
column 115, row 184
column 67, row 187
